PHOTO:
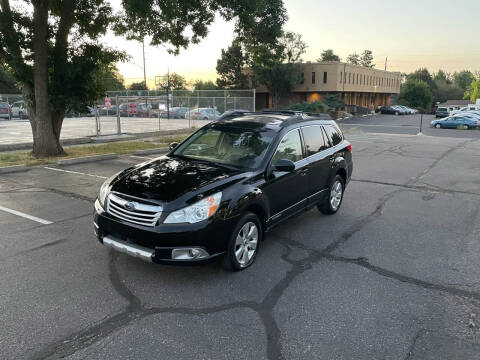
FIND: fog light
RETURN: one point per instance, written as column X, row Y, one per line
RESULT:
column 189, row 254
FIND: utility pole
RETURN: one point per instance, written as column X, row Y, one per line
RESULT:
column 386, row 59
column 145, row 75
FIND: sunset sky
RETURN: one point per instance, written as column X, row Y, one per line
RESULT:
column 422, row 33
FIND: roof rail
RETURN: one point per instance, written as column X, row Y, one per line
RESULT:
column 281, row 112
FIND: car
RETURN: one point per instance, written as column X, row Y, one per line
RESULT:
column 202, row 114
column 458, row 121
column 442, row 112
column 19, row 110
column 222, row 189
column 175, row 113
column 391, row 110
column 5, row 110
column 108, row 111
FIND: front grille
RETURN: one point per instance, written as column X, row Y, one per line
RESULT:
column 132, row 211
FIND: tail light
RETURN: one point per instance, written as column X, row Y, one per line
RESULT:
column 197, row 113
column 349, row 147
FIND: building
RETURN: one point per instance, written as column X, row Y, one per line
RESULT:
column 455, row 104
column 357, row 85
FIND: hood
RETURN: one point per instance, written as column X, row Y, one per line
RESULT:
column 167, row 178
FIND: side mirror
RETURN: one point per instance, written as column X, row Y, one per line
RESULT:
column 173, row 146
column 284, row 165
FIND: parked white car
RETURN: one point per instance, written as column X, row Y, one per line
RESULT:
column 202, row 114
column 464, row 109
column 19, row 110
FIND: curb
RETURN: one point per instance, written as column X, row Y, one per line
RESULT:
column 151, row 151
column 87, row 159
column 13, row 169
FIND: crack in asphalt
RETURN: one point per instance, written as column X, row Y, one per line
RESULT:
column 135, row 310
column 411, row 349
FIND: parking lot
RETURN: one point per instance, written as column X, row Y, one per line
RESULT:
column 393, row 275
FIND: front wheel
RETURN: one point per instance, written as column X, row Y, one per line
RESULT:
column 244, row 243
column 438, row 126
column 335, row 196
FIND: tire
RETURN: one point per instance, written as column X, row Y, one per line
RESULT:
column 237, row 259
column 438, row 126
column 205, row 118
column 334, row 200
column 396, row 113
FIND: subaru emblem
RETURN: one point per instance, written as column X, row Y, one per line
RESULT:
column 130, row 206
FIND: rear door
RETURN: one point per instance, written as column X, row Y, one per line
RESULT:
column 318, row 161
column 287, row 191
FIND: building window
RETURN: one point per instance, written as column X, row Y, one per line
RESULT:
column 357, row 79
column 313, row 77
column 302, row 79
column 341, row 77
column 349, row 78
column 324, row 77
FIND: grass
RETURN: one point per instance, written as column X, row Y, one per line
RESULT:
column 124, row 147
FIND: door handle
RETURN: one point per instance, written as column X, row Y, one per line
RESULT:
column 303, row 172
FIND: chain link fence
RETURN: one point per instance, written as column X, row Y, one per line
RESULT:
column 133, row 112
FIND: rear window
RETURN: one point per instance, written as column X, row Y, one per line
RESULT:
column 442, row 109
column 3, row 105
column 314, row 140
column 334, row 134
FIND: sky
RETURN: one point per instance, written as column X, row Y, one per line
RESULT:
column 437, row 34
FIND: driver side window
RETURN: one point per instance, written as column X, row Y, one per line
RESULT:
column 290, row 148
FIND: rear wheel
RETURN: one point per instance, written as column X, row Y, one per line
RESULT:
column 335, row 196
column 244, row 243
column 396, row 113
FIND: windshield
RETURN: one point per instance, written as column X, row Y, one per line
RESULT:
column 232, row 146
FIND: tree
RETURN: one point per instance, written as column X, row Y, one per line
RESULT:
column 177, row 82
column 110, row 78
column 283, row 72
column 231, row 67
column 415, row 93
column 293, row 47
column 473, row 91
column 353, row 59
column 333, row 101
column 53, row 47
column 463, row 79
column 424, row 75
column 7, row 83
column 442, row 76
column 328, row 55
column 366, row 59
column 204, row 85
column 138, row 86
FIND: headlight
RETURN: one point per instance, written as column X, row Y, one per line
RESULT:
column 105, row 189
column 199, row 211
column 102, row 194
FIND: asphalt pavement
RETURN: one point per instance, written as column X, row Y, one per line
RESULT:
column 393, row 275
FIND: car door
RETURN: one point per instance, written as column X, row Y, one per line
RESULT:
column 318, row 161
column 287, row 191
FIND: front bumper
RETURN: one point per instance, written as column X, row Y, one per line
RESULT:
column 166, row 243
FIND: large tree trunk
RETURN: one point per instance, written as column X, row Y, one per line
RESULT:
column 46, row 132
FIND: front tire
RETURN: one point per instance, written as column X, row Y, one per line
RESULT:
column 244, row 243
column 438, row 126
column 335, row 196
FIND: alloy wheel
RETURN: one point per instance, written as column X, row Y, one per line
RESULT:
column 336, row 195
column 246, row 243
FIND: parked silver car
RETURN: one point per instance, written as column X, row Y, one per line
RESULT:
column 202, row 114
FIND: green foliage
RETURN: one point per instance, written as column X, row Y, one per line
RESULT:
column 424, row 75
column 473, row 91
column 353, row 59
column 280, row 74
column 442, row 76
column 230, row 67
column 177, row 82
column 110, row 79
column 445, row 90
column 137, row 86
column 366, row 59
column 204, row 85
column 7, row 82
column 328, row 55
column 415, row 93
column 312, row 107
column 333, row 101
column 463, row 79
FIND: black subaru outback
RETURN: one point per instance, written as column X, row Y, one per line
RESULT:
column 218, row 192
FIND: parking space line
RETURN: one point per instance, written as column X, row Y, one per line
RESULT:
column 26, row 216
column 75, row 172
